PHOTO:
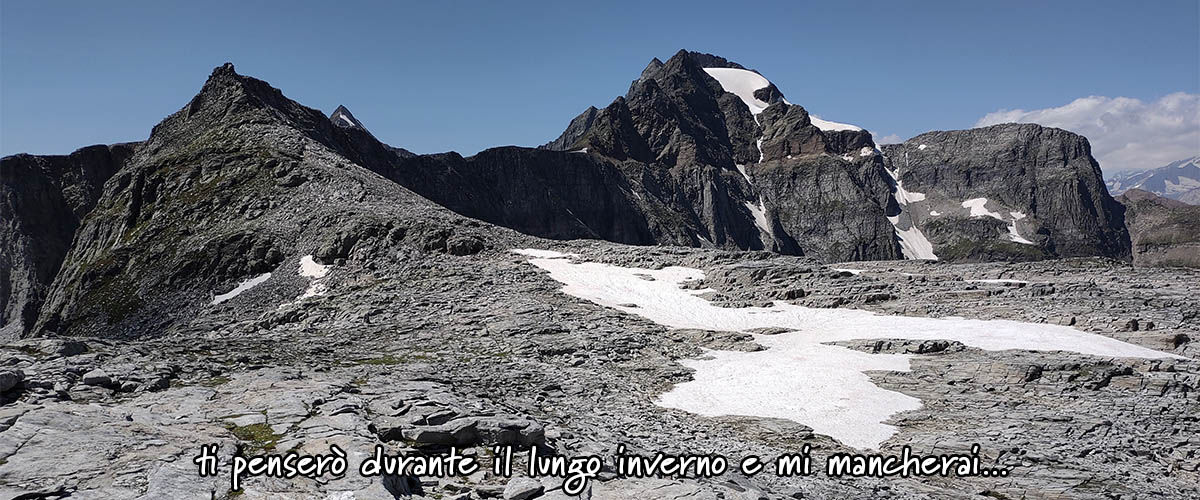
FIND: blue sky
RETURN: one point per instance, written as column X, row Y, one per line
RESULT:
column 464, row 76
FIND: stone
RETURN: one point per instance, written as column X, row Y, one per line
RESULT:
column 97, row 377
column 522, row 488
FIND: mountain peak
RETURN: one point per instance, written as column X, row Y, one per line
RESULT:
column 342, row 117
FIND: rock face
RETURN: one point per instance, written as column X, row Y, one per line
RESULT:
column 1165, row 232
column 751, row 170
column 1010, row 191
column 42, row 200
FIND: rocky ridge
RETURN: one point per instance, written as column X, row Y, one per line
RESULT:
column 1165, row 232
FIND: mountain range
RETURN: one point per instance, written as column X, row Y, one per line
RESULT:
column 699, row 152
column 1178, row 180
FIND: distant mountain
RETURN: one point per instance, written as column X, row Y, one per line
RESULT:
column 1179, row 180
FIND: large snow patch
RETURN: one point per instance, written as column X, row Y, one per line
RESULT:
column 798, row 377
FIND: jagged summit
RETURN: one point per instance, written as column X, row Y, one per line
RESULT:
column 342, row 117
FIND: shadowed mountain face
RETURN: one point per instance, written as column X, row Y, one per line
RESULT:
column 699, row 152
column 1165, row 232
column 43, row 200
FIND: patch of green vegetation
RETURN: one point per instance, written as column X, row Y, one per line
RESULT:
column 115, row 296
column 980, row 250
column 995, row 494
column 214, row 381
column 258, row 438
column 32, row 351
column 388, row 359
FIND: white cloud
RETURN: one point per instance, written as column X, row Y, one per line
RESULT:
column 1126, row 133
column 887, row 139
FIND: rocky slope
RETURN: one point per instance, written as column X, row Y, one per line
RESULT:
column 1165, row 232
column 43, row 199
column 1179, row 180
column 240, row 183
column 1011, row 191
column 419, row 354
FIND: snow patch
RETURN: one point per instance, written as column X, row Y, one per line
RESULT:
column 799, row 377
column 922, row 147
column 760, row 219
column 978, row 209
column 828, row 126
column 310, row 269
column 543, row 254
column 855, row 272
column 348, row 120
column 903, row 196
column 865, row 151
column 913, row 243
column 1184, row 185
column 742, row 83
column 742, row 169
column 1013, row 234
column 241, row 287
column 934, row 213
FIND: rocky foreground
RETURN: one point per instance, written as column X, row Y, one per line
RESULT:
column 421, row 354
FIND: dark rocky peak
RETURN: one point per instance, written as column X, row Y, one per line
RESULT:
column 230, row 100
column 787, row 131
column 342, row 117
column 613, row 133
column 651, row 69
column 575, row 130
column 704, row 60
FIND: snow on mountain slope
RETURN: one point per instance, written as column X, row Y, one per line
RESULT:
column 743, row 83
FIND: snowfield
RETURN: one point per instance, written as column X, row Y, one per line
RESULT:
column 799, row 377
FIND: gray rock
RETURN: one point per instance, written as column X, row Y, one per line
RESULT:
column 10, row 378
column 522, row 488
column 97, row 377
